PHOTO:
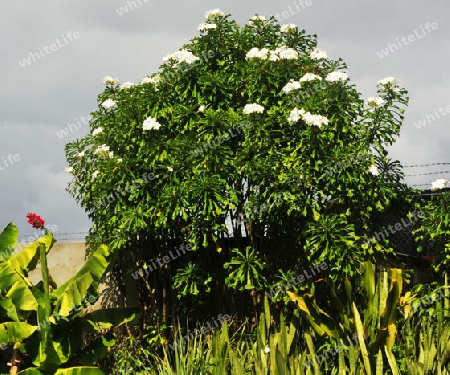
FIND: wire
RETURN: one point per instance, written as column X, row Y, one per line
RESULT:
column 424, row 165
column 425, row 174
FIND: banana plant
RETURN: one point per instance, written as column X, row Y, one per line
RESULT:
column 45, row 322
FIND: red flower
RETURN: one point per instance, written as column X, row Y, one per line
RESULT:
column 35, row 220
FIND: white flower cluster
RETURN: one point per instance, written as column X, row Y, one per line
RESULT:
column 253, row 108
column 80, row 154
column 110, row 81
column 181, row 56
column 214, row 13
column 439, row 184
column 279, row 53
column 95, row 174
column 203, row 27
column 374, row 170
column 288, row 28
column 310, row 77
column 336, row 77
column 291, row 86
column 97, row 131
column 103, row 150
column 109, row 104
column 256, row 18
column 388, row 81
column 68, row 169
column 126, row 85
column 151, row 124
column 375, row 102
column 152, row 80
column 318, row 54
column 309, row 118
column 201, row 108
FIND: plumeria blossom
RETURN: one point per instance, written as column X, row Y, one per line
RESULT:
column 170, row 169
column 336, row 77
column 152, row 80
column 256, row 53
column 206, row 26
column 310, row 77
column 68, row 169
column 97, row 131
column 375, row 102
column 102, row 150
column 126, row 85
column 110, row 81
column 80, row 154
column 291, row 86
column 285, row 53
column 109, row 103
column 318, row 54
column 439, row 184
column 151, row 124
column 95, row 174
column 119, row 160
column 253, row 108
column 288, row 28
column 256, row 18
column 309, row 118
column 181, row 56
column 295, row 115
column 111, row 154
column 388, row 81
column 201, row 108
column 374, row 170
column 214, row 13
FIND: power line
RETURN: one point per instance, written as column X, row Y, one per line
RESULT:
column 424, row 165
column 425, row 174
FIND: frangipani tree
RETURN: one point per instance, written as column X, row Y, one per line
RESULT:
column 234, row 142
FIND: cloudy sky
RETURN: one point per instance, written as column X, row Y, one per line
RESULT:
column 45, row 87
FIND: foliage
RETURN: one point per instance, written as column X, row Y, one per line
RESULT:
column 44, row 321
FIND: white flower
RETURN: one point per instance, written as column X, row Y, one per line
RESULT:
column 170, row 169
column 111, row 154
column 109, row 103
column 80, row 154
column 314, row 120
column 256, row 18
column 256, row 53
column 68, row 169
column 288, row 27
column 318, row 54
column 181, row 56
column 295, row 115
column 151, row 124
column 95, row 174
column 102, row 150
column 374, row 170
column 214, row 13
column 97, row 131
column 396, row 90
column 119, row 160
column 266, row 349
column 253, row 108
column 439, row 184
column 206, row 26
column 126, row 85
column 201, row 108
column 336, row 77
column 291, row 86
column 110, row 81
column 310, row 77
column 388, row 81
column 287, row 53
column 375, row 102
column 153, row 80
